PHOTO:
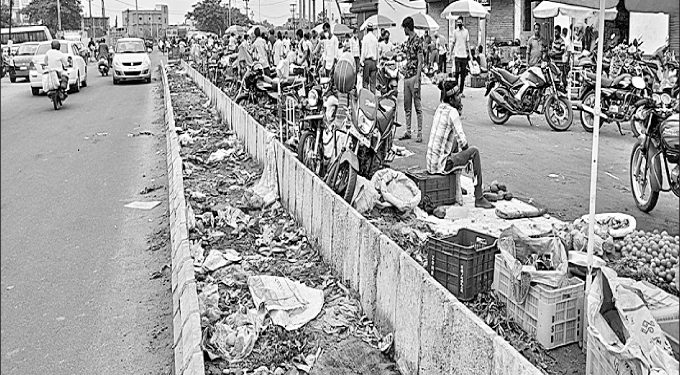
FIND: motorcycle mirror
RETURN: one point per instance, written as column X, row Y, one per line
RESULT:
column 612, row 36
column 635, row 42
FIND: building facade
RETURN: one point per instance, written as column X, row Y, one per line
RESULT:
column 96, row 27
column 146, row 23
column 18, row 18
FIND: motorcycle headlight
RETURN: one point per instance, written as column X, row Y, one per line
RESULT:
column 638, row 82
column 312, row 98
column 626, row 82
column 656, row 98
column 364, row 124
column 665, row 99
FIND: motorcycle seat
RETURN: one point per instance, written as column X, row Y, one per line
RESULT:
column 367, row 103
column 507, row 76
column 606, row 81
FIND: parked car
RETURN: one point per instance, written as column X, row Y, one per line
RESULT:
column 131, row 62
column 22, row 60
column 77, row 69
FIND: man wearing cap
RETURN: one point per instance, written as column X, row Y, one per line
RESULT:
column 448, row 147
column 369, row 58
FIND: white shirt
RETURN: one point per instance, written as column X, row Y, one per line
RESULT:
column 384, row 47
column 286, row 42
column 55, row 60
column 330, row 51
column 354, row 46
column 370, row 50
column 278, row 51
column 460, row 39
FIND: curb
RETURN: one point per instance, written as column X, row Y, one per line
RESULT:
column 186, row 319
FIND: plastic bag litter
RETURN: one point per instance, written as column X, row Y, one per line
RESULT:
column 235, row 337
column 220, row 155
column 627, row 329
column 50, row 81
column 196, row 252
column 289, row 303
column 516, row 247
column 396, row 189
column 191, row 218
column 366, row 196
column 267, row 187
column 185, row 139
column 232, row 216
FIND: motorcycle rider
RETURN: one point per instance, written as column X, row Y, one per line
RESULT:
column 104, row 51
column 56, row 61
column 448, row 148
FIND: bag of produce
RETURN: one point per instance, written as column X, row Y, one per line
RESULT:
column 541, row 260
column 396, row 189
column 619, row 319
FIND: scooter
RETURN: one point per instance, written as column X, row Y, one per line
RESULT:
column 58, row 95
column 103, row 66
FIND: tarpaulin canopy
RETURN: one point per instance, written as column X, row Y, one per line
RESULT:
column 550, row 9
column 464, row 8
column 378, row 21
column 643, row 6
column 424, row 22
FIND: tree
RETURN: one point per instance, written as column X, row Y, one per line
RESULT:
column 238, row 18
column 4, row 13
column 209, row 15
column 45, row 12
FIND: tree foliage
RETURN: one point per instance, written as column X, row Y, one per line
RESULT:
column 212, row 16
column 4, row 14
column 45, row 12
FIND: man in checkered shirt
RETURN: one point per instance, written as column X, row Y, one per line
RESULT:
column 448, row 147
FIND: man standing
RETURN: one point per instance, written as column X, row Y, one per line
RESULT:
column 535, row 46
column 260, row 51
column 384, row 45
column 413, row 51
column 461, row 53
column 330, row 48
column 369, row 58
column 558, row 47
column 278, row 49
column 442, row 46
column 355, row 49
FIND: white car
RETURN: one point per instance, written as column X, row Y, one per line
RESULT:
column 77, row 69
column 130, row 61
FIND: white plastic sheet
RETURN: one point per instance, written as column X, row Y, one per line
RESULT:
column 290, row 304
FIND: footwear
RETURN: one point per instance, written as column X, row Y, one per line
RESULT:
column 481, row 202
column 463, row 191
column 419, row 138
column 405, row 137
column 462, row 95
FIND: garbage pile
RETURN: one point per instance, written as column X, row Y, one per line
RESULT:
column 268, row 303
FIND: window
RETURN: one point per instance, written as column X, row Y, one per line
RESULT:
column 526, row 15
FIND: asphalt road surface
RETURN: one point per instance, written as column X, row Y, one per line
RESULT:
column 78, row 291
column 523, row 156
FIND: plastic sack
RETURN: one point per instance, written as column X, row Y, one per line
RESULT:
column 366, row 197
column 516, row 247
column 396, row 189
column 619, row 319
column 50, row 81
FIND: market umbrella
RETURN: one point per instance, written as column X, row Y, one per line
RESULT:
column 550, row 9
column 236, row 29
column 465, row 8
column 424, row 22
column 340, row 29
column 379, row 21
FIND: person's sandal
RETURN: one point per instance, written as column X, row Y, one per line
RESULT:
column 405, row 137
column 419, row 139
column 483, row 203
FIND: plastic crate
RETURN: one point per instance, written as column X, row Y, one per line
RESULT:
column 478, row 81
column 463, row 263
column 553, row 316
column 599, row 361
column 436, row 189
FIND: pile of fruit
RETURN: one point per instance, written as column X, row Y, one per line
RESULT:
column 657, row 250
column 497, row 192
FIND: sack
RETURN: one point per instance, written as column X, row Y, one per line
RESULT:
column 474, row 68
column 366, row 196
column 397, row 189
column 626, row 328
column 50, row 81
column 516, row 247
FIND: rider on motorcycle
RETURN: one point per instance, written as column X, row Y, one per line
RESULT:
column 448, row 147
column 56, row 61
column 104, row 51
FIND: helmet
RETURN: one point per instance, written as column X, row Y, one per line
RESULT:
column 55, row 44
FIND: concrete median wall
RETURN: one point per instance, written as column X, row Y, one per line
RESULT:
column 434, row 333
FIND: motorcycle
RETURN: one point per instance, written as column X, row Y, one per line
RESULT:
column 545, row 94
column 388, row 73
column 368, row 146
column 254, row 88
column 654, row 161
column 58, row 95
column 317, row 144
column 103, row 66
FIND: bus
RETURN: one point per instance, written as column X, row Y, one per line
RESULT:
column 22, row 34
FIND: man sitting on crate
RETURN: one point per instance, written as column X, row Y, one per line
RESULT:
column 447, row 149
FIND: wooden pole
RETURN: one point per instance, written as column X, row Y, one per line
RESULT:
column 593, row 167
column 58, row 16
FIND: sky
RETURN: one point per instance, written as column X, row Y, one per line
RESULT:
column 274, row 11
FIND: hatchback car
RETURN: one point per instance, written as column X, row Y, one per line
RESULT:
column 76, row 69
column 130, row 61
column 22, row 60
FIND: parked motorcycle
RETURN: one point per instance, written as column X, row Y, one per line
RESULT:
column 368, row 146
column 545, row 94
column 654, row 161
column 254, row 88
column 317, row 144
column 103, row 66
column 388, row 73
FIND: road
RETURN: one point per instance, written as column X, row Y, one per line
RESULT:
column 76, row 286
column 522, row 157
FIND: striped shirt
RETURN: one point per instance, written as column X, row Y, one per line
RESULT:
column 446, row 137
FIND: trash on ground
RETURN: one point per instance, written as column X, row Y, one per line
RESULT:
column 140, row 205
column 220, row 155
column 290, row 303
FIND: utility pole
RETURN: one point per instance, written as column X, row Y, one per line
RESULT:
column 247, row 14
column 94, row 35
column 11, row 4
column 58, row 15
column 292, row 14
column 313, row 12
column 229, row 15
column 136, row 19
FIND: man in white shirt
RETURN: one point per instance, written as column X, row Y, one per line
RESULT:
column 461, row 53
column 259, row 51
column 384, row 45
column 278, row 49
column 355, row 48
column 369, row 58
column 57, row 61
column 330, row 50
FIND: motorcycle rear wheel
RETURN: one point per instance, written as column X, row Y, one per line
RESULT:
column 563, row 111
column 56, row 101
column 640, row 188
column 588, row 119
column 342, row 179
column 306, row 150
column 498, row 114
